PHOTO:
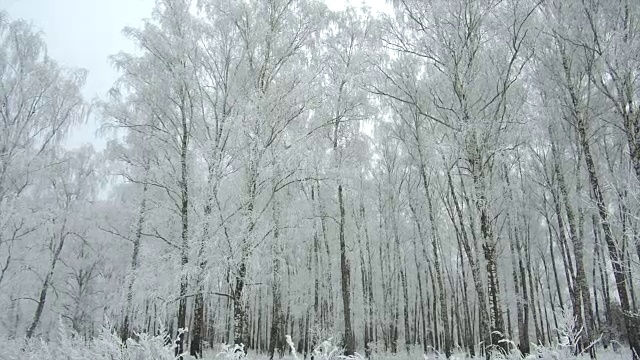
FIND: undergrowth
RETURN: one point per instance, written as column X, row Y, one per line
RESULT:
column 68, row 345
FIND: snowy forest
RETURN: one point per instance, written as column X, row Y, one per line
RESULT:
column 454, row 178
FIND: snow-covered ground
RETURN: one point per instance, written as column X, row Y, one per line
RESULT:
column 108, row 346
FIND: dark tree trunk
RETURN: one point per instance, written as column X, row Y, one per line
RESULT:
column 277, row 334
column 238, row 305
column 483, row 316
column 419, row 276
column 195, row 349
column 361, row 224
column 126, row 327
column 184, row 214
column 45, row 284
column 350, row 346
column 436, row 262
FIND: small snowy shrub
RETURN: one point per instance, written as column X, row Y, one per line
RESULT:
column 327, row 351
column 232, row 352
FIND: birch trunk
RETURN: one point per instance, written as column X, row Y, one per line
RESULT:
column 126, row 331
column 46, row 283
column 485, row 331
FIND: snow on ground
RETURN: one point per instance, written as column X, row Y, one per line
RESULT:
column 108, row 346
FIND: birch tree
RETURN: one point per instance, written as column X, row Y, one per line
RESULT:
column 346, row 46
column 40, row 103
column 273, row 35
column 71, row 186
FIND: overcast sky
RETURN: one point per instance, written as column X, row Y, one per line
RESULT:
column 83, row 33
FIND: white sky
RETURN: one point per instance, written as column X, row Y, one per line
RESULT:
column 83, row 33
